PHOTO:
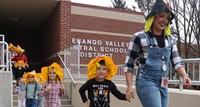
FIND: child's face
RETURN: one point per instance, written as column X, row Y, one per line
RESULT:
column 52, row 75
column 31, row 78
column 12, row 50
column 101, row 72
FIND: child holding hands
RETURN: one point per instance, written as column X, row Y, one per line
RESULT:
column 53, row 88
column 100, row 70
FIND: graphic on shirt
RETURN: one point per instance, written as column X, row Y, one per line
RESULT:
column 100, row 95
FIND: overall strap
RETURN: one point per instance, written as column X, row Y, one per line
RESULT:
column 26, row 91
column 34, row 91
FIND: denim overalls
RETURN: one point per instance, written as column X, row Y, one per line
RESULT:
column 149, row 77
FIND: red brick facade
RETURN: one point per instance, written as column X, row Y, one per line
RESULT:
column 63, row 28
column 68, row 22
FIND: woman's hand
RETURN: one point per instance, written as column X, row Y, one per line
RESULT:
column 186, row 81
column 87, row 103
column 128, row 97
column 130, row 91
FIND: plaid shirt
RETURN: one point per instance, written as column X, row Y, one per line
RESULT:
column 52, row 99
column 139, row 48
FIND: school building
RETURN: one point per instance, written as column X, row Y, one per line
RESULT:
column 44, row 27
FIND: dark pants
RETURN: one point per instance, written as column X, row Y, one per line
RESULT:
column 31, row 103
column 19, row 72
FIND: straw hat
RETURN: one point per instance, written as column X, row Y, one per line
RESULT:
column 40, row 78
column 57, row 68
column 44, row 72
column 20, row 64
column 94, row 63
column 19, row 49
column 32, row 73
column 11, row 46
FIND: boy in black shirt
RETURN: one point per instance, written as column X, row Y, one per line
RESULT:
column 99, row 85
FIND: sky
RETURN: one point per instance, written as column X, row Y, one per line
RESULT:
column 104, row 3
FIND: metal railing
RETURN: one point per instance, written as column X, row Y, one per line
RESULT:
column 77, row 71
column 67, row 70
column 4, row 53
column 192, row 68
column 5, row 74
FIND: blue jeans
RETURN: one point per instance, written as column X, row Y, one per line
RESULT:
column 149, row 91
column 31, row 103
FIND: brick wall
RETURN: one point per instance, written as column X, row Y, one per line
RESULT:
column 65, row 16
column 103, row 24
column 107, row 29
column 65, row 25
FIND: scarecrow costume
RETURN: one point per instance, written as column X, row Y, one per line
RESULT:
column 153, row 51
column 12, row 54
column 20, row 62
column 99, row 91
column 52, row 97
column 57, row 68
column 94, row 64
column 31, row 88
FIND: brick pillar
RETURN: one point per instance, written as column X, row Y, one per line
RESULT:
column 65, row 14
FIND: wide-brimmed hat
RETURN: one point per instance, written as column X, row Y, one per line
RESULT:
column 19, row 49
column 94, row 63
column 20, row 64
column 57, row 68
column 28, row 74
column 11, row 46
column 160, row 6
column 40, row 78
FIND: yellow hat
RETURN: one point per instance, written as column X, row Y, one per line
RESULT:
column 19, row 49
column 11, row 46
column 94, row 63
column 44, row 72
column 32, row 73
column 20, row 64
column 57, row 68
column 40, row 78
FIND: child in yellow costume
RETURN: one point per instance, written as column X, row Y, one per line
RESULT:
column 12, row 54
column 20, row 62
column 100, row 71
column 31, row 87
column 12, row 50
column 53, row 88
column 39, row 77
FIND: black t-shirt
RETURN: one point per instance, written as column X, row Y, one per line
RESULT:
column 159, row 38
column 99, row 92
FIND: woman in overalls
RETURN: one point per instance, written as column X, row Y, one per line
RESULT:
column 154, row 48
